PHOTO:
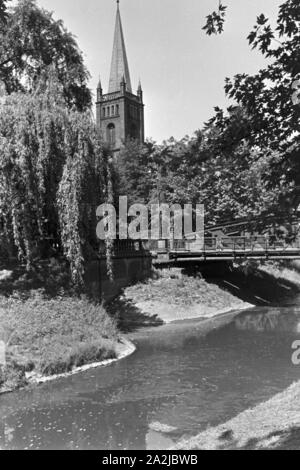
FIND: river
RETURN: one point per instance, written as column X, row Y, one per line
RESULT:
column 183, row 378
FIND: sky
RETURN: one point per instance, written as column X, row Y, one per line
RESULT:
column 182, row 70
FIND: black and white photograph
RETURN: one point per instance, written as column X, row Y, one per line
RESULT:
column 149, row 228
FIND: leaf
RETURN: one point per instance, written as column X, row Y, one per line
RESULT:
column 262, row 20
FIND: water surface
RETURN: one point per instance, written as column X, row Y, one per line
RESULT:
column 185, row 376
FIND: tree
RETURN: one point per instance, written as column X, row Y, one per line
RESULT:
column 245, row 162
column 51, row 178
column 268, row 95
column 134, row 170
column 268, row 102
column 31, row 41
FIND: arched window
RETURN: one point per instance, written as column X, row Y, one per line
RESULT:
column 108, row 111
column 112, row 110
column 103, row 112
column 111, row 134
column 117, row 109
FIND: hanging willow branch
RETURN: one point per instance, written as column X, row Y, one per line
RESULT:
column 50, row 179
column 109, row 241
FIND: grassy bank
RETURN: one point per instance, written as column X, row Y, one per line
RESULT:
column 50, row 334
column 289, row 271
column 274, row 424
column 174, row 296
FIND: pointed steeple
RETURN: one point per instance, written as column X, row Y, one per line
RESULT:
column 119, row 63
column 140, row 91
column 99, row 90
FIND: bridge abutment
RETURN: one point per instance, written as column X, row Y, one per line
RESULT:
column 126, row 271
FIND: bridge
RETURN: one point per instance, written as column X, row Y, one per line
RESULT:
column 227, row 249
column 228, row 241
column 268, row 238
column 132, row 260
column 209, row 249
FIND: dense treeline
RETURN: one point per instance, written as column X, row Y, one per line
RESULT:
column 246, row 160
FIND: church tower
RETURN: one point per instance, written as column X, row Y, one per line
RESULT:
column 120, row 113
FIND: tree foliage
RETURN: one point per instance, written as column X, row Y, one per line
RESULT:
column 269, row 100
column 30, row 42
column 51, row 178
column 193, row 170
column 216, row 20
column 246, row 160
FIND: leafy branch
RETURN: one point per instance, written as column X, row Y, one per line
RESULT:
column 216, row 20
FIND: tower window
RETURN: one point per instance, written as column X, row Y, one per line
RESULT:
column 108, row 111
column 111, row 134
column 133, row 131
column 112, row 110
column 103, row 112
column 117, row 109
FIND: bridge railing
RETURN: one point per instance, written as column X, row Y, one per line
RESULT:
column 126, row 248
column 235, row 244
column 210, row 245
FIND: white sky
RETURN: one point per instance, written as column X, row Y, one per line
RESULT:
column 182, row 70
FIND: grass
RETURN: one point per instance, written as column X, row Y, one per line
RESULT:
column 287, row 271
column 274, row 424
column 47, row 334
column 179, row 296
column 184, row 291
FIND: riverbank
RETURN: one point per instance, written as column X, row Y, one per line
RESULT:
column 47, row 337
column 48, row 331
column 44, row 337
column 176, row 297
column 272, row 425
column 51, row 336
column 123, row 349
column 290, row 273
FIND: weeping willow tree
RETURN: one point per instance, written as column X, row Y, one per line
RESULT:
column 53, row 174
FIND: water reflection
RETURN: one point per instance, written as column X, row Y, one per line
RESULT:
column 185, row 377
column 275, row 319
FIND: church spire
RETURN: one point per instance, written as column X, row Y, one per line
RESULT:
column 119, row 63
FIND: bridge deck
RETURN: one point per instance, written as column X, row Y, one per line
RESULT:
column 209, row 249
column 230, row 248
